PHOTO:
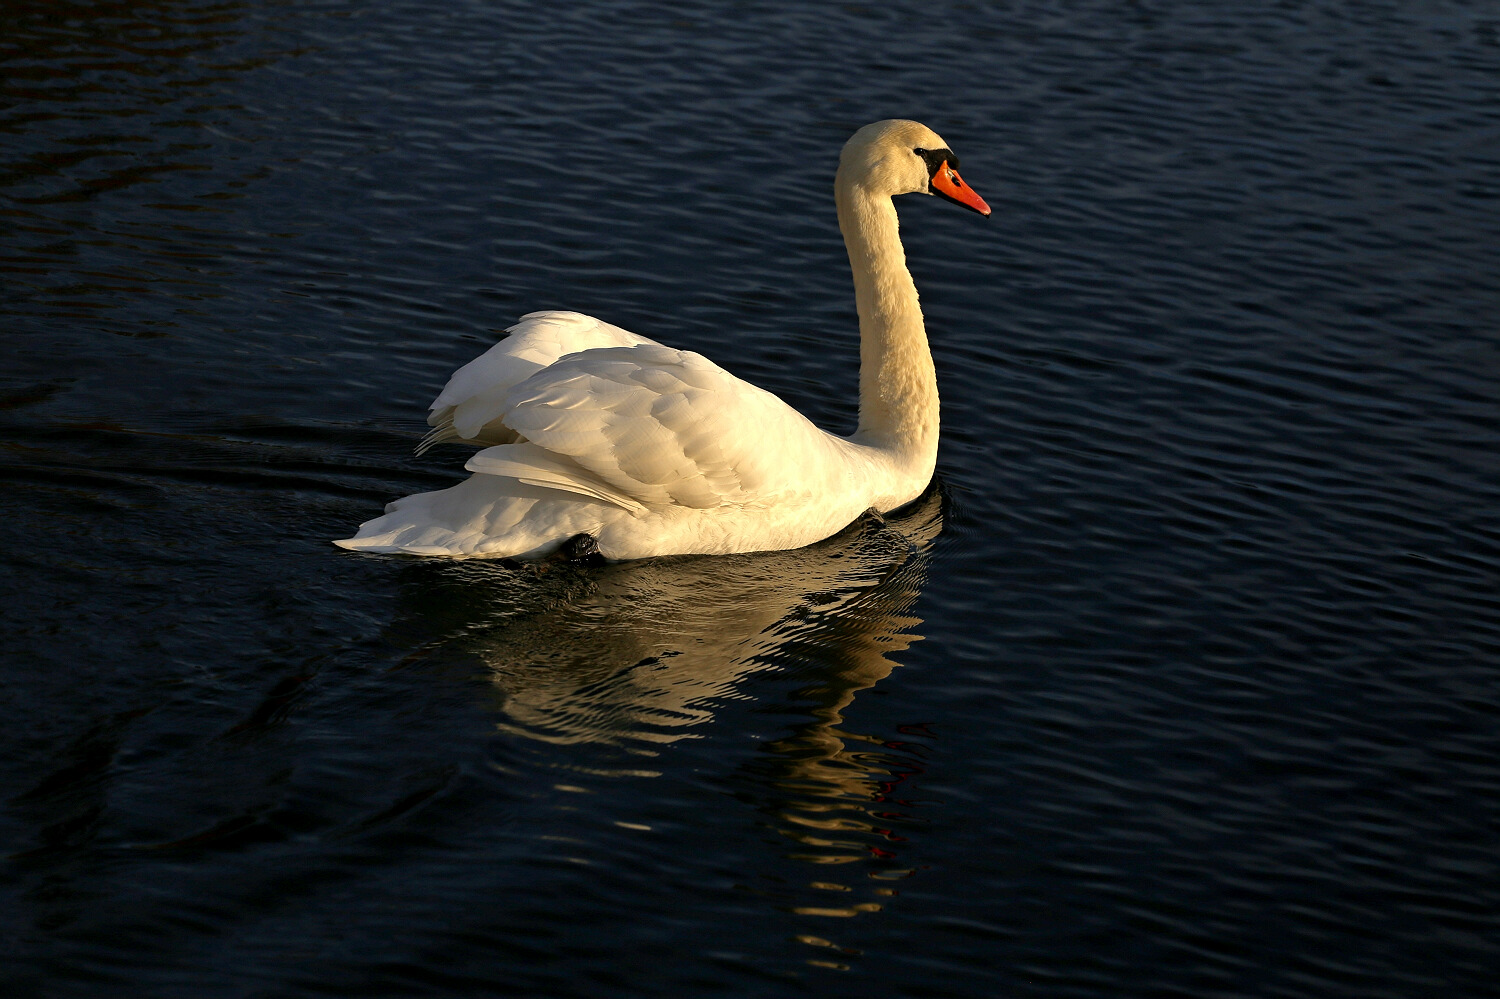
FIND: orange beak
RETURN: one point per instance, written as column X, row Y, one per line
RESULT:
column 946, row 183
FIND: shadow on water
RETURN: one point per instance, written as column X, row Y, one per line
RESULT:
column 640, row 654
column 615, row 670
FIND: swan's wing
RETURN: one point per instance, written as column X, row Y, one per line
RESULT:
column 666, row 426
column 536, row 466
column 469, row 406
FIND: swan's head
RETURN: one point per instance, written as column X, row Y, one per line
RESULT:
column 905, row 157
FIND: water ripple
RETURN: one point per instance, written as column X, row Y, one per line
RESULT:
column 1204, row 702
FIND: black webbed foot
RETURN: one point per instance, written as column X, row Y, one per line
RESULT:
column 582, row 548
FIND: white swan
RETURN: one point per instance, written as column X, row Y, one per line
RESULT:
column 589, row 430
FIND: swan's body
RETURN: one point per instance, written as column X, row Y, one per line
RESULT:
column 590, row 429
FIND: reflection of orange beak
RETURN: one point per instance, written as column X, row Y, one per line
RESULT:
column 948, row 184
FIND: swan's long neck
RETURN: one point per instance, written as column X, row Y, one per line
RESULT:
column 898, row 399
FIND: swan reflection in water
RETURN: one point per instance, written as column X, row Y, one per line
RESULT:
column 640, row 655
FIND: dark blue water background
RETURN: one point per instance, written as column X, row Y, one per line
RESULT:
column 1187, row 684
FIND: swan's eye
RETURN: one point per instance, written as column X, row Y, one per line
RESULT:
column 920, row 152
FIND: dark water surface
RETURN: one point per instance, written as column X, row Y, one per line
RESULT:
column 1187, row 684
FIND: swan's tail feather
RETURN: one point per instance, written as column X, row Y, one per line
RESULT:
column 485, row 516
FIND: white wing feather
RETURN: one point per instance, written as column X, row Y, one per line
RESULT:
column 537, row 466
column 666, row 426
column 470, row 405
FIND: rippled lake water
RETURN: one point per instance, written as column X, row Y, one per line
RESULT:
column 1184, row 682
